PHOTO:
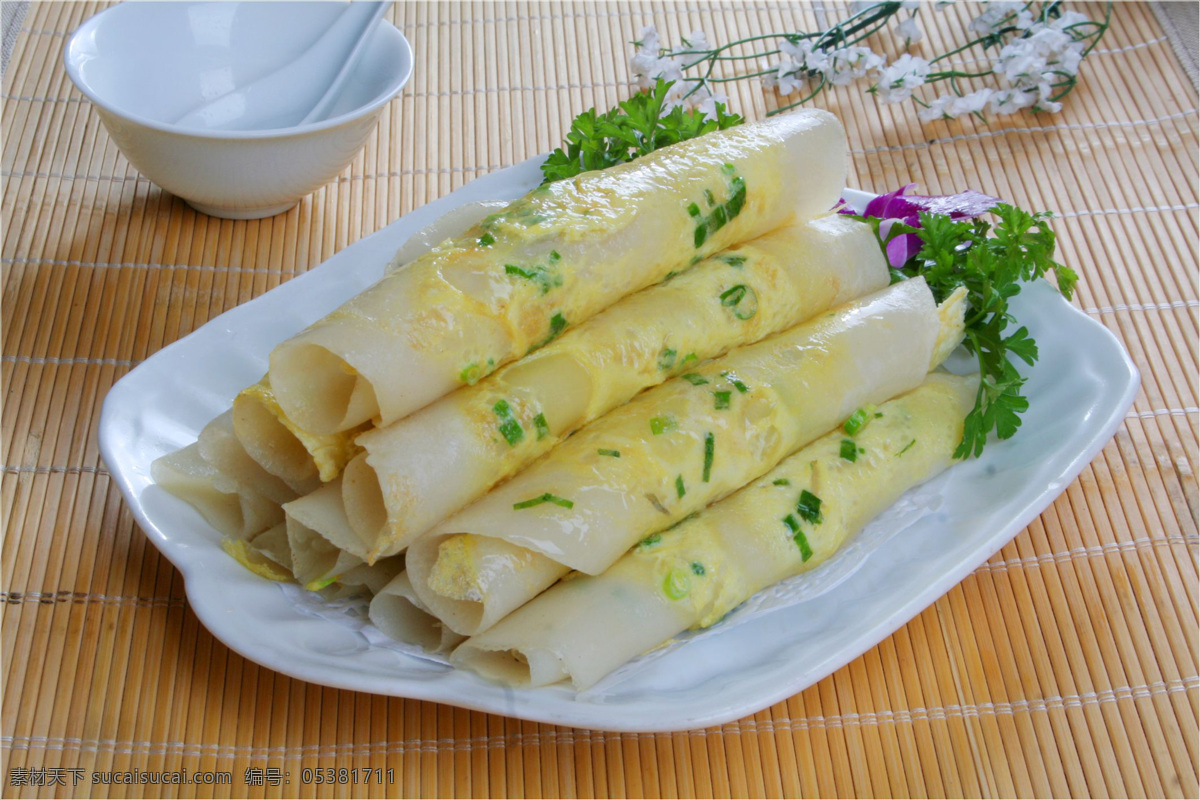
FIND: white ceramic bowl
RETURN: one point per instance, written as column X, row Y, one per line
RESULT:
column 144, row 65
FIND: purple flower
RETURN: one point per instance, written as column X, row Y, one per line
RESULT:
column 899, row 206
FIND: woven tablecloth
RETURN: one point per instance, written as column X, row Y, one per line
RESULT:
column 1065, row 665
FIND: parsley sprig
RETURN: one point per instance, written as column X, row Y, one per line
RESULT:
column 991, row 261
column 638, row 126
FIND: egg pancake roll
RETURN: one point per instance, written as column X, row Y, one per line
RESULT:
column 235, row 511
column 787, row 522
column 421, row 469
column 548, row 261
column 673, row 450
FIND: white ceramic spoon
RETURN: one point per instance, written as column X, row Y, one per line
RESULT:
column 301, row 91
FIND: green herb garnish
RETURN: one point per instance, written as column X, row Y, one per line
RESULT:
column 905, row 449
column 472, row 372
column 610, row 453
column 710, row 444
column 695, row 379
column 737, row 262
column 698, row 568
column 680, row 489
column 991, row 262
column 487, row 240
column 666, row 359
column 849, row 450
column 721, row 400
column 638, row 126
column 809, row 507
column 546, row 498
column 510, row 429
column 541, row 426
column 781, row 482
column 792, row 525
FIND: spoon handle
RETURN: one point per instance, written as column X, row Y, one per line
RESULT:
column 335, row 89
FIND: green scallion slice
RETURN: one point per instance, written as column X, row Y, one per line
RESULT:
column 805, row 548
column 858, row 420
column 677, row 584
column 721, row 400
column 610, row 453
column 710, row 444
column 680, row 489
column 809, row 507
column 666, row 359
column 905, row 450
column 695, row 379
column 660, row 425
column 510, row 429
column 541, row 426
column 849, row 450
column 546, row 498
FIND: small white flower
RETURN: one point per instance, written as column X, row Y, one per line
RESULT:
column 847, row 64
column 1010, row 101
column 648, row 41
column 997, row 15
column 1044, row 103
column 898, row 79
column 805, row 56
column 708, row 106
column 973, row 103
column 937, row 109
column 909, row 31
column 696, row 40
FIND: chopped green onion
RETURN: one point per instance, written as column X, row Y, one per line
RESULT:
column 858, row 420
column 693, row 210
column 721, row 400
column 546, row 498
column 809, row 507
column 792, row 525
column 513, row 269
column 733, row 297
column 554, row 256
column 610, row 453
column 737, row 262
column 677, row 584
column 697, row 568
column 690, row 358
column 695, row 379
column 805, row 548
column 558, row 324
column 781, row 482
column 540, row 424
column 737, row 384
column 659, row 425
column 905, row 450
column 849, row 450
column 510, row 429
column 487, row 240
column 680, row 489
column 666, row 359
column 649, row 541
column 710, row 444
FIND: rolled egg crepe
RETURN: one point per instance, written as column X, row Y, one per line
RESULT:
column 237, row 512
column 787, row 522
column 549, row 261
column 397, row 611
column 421, row 469
column 301, row 459
column 673, row 450
column 220, row 447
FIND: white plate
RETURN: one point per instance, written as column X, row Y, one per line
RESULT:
column 1080, row 391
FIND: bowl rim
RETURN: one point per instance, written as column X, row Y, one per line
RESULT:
column 387, row 96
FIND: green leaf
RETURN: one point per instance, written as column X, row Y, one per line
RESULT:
column 636, row 127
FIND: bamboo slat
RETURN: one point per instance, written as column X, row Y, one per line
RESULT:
column 1067, row 665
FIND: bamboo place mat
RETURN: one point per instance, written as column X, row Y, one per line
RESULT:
column 1065, row 665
